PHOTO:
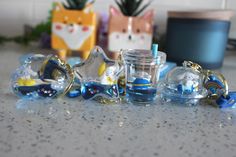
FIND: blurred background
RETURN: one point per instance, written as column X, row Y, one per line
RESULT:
column 14, row 14
column 29, row 21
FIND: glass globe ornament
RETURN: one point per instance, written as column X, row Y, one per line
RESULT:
column 41, row 76
column 184, row 84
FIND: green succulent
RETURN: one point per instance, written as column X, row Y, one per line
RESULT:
column 132, row 7
column 34, row 33
column 77, row 4
column 3, row 39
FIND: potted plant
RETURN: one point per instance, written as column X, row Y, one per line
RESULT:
column 128, row 30
column 74, row 27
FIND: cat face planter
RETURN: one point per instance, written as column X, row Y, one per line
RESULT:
column 129, row 32
column 73, row 30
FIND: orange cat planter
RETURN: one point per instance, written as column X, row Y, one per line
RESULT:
column 73, row 30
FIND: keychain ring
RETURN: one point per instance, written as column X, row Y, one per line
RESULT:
column 192, row 65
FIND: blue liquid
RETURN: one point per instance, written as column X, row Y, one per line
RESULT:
column 43, row 90
column 145, row 95
column 92, row 89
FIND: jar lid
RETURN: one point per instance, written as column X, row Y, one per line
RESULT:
column 223, row 15
column 143, row 57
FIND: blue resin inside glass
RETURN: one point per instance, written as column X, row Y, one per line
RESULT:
column 142, row 95
column 90, row 90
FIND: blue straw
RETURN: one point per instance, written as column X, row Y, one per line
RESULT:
column 154, row 50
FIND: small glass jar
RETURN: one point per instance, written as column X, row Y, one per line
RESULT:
column 142, row 74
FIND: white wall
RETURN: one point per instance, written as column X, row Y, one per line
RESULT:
column 15, row 13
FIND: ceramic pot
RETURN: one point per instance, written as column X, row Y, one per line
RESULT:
column 126, row 32
column 73, row 30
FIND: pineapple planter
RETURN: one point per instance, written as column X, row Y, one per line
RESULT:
column 73, row 28
column 126, row 29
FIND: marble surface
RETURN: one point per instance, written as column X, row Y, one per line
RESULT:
column 69, row 127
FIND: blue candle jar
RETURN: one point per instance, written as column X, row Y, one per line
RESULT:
column 199, row 36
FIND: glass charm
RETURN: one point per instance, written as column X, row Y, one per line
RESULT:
column 42, row 76
column 98, row 76
column 142, row 70
column 184, row 84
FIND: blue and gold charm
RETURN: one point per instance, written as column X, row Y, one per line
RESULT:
column 218, row 90
column 42, row 76
column 215, row 83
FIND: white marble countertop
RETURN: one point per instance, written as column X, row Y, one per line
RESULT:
column 67, row 127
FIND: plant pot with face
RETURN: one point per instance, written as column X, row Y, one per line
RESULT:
column 127, row 30
column 73, row 28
